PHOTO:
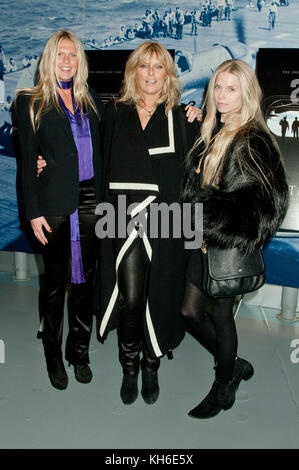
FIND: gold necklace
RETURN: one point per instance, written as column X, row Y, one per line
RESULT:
column 147, row 110
column 198, row 169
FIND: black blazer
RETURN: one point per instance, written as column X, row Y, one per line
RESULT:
column 56, row 191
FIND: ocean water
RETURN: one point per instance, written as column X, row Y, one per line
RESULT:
column 28, row 32
column 26, row 25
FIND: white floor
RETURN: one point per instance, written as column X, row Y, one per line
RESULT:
column 34, row 415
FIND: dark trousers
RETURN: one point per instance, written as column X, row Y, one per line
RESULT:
column 216, row 331
column 132, row 283
column 56, row 256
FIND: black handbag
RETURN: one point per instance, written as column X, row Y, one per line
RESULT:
column 227, row 272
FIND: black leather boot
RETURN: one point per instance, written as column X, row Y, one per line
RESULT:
column 220, row 397
column 129, row 388
column 150, row 387
column 243, row 370
column 83, row 373
column 58, row 376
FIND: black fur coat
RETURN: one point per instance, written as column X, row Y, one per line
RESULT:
column 241, row 212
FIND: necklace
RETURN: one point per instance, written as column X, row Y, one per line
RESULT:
column 198, row 169
column 149, row 112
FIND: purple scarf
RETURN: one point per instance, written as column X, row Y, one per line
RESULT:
column 81, row 133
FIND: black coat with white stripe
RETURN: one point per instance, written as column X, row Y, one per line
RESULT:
column 145, row 166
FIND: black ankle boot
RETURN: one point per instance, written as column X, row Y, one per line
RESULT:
column 150, row 387
column 129, row 388
column 83, row 373
column 220, row 397
column 58, row 377
column 243, row 370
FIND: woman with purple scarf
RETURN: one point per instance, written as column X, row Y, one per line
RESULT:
column 59, row 118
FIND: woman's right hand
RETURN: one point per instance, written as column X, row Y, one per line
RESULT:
column 40, row 163
column 37, row 227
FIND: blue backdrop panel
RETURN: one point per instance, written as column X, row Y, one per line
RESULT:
column 281, row 257
column 203, row 44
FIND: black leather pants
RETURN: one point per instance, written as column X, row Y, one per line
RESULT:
column 56, row 256
column 132, row 282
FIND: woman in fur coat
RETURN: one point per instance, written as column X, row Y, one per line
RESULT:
column 235, row 170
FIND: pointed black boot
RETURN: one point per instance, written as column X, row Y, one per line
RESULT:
column 220, row 397
column 150, row 387
column 129, row 388
column 243, row 370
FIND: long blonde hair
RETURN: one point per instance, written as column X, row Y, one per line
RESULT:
column 44, row 93
column 130, row 91
column 249, row 115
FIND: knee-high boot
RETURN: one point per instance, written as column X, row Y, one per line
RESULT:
column 150, row 385
column 130, row 361
column 80, row 329
column 132, row 281
column 130, row 343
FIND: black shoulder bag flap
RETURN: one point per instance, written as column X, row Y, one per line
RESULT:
column 227, row 272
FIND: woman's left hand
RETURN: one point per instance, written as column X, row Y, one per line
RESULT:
column 40, row 164
column 192, row 113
